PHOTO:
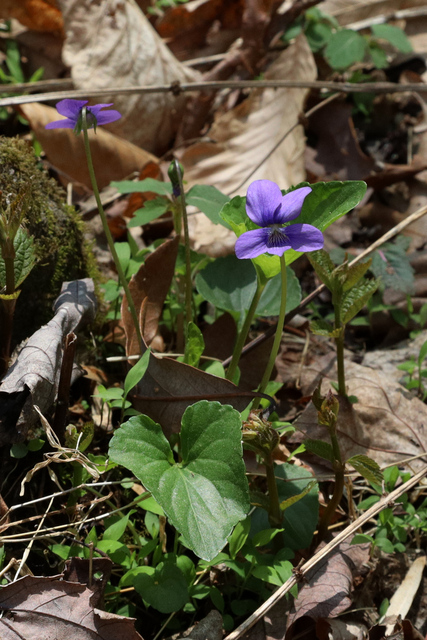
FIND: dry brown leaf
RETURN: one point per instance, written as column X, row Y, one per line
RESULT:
column 40, row 608
column 326, row 590
column 113, row 157
column 112, row 44
column 337, row 155
column 348, row 11
column 386, row 423
column 40, row 15
column 150, row 285
column 246, row 134
column 34, row 376
column 158, row 393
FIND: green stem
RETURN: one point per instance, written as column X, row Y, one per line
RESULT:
column 188, row 280
column 107, row 232
column 339, row 342
column 241, row 338
column 278, row 335
column 274, row 512
column 339, row 468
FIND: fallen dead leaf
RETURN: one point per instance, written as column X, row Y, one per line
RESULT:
column 337, row 155
column 245, row 135
column 40, row 608
column 33, row 378
column 149, row 288
column 326, row 591
column 386, row 423
column 113, row 157
column 112, row 44
column 40, row 15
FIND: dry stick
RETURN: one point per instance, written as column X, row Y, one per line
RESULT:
column 387, row 236
column 386, row 501
column 177, row 88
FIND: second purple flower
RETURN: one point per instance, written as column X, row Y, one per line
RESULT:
column 270, row 210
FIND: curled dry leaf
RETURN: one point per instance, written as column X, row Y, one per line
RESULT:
column 38, row 608
column 34, row 376
column 245, row 135
column 112, row 44
column 151, row 284
column 327, row 588
column 113, row 157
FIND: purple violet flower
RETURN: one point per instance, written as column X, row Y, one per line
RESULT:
column 72, row 110
column 266, row 206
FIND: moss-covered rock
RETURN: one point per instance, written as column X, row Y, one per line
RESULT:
column 62, row 252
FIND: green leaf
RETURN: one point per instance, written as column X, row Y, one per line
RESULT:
column 317, row 34
column 230, row 284
column 321, row 327
column 320, row 448
column 164, row 587
column 194, row 345
column 116, row 529
column 239, row 537
column 327, row 202
column 378, row 55
column 355, row 299
column 142, row 186
column 285, row 504
column 300, row 519
column 393, row 35
column 137, row 372
column 345, row 47
column 423, row 353
column 24, row 258
column 367, row 468
column 209, row 200
column 206, row 494
column 351, row 274
column 263, row 538
column 323, row 266
column 361, row 538
column 151, row 210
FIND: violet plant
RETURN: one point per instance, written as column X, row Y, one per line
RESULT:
column 270, row 211
column 80, row 117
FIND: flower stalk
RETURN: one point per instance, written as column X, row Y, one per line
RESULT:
column 278, row 335
column 106, row 229
column 241, row 338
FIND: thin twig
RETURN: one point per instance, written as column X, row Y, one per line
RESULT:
column 177, row 88
column 385, row 502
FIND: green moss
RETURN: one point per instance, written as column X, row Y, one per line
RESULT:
column 62, row 252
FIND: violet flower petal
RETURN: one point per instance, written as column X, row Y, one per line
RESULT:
column 262, row 200
column 96, row 108
column 292, row 204
column 252, row 243
column 67, row 123
column 304, row 237
column 70, row 108
column 107, row 116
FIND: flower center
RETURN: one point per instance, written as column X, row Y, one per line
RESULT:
column 277, row 236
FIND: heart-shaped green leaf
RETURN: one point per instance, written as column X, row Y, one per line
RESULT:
column 204, row 495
